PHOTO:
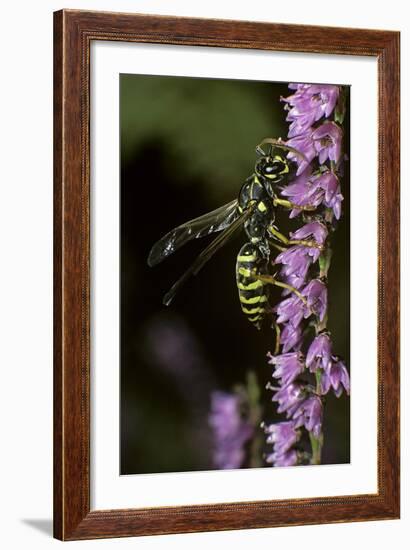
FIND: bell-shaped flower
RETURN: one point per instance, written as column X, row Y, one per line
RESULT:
column 290, row 458
column 290, row 337
column 288, row 366
column 327, row 140
column 336, row 377
column 316, row 296
column 308, row 104
column 319, row 354
column 310, row 415
column 283, row 435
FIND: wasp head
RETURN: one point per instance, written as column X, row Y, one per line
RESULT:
column 275, row 168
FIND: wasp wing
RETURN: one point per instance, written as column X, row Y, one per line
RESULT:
column 217, row 220
column 207, row 254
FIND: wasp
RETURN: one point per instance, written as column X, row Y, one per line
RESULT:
column 254, row 210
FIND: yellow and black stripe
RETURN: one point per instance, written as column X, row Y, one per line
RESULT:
column 252, row 292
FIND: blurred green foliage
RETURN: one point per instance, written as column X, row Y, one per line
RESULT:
column 210, row 127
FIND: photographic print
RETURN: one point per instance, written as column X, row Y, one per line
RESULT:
column 234, row 274
column 226, row 275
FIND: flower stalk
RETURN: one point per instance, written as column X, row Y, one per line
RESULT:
column 304, row 364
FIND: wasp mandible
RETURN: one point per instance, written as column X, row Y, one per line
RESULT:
column 254, row 209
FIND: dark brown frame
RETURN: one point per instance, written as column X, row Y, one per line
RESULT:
column 73, row 33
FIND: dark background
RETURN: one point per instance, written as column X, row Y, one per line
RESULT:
column 187, row 145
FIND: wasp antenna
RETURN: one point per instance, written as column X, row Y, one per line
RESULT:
column 282, row 145
column 271, row 141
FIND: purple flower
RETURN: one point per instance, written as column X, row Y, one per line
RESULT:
column 289, row 398
column 290, row 337
column 317, row 189
column 333, row 196
column 303, row 191
column 296, row 262
column 321, row 98
column 301, row 121
column 230, row 430
column 282, row 435
column 326, row 96
column 327, row 140
column 316, row 296
column 314, row 141
column 299, row 190
column 293, row 309
column 304, row 144
column 282, row 460
column 314, row 229
column 337, row 377
column 290, row 310
column 288, row 366
column 319, row 353
column 309, row 104
column 310, row 415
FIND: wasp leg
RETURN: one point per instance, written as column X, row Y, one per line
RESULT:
column 278, row 247
column 269, row 279
column 281, row 237
column 292, row 205
column 277, row 344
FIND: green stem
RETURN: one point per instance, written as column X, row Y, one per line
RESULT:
column 317, row 445
column 324, row 265
column 324, row 261
column 317, row 442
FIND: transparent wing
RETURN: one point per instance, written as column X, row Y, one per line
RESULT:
column 217, row 220
column 207, row 254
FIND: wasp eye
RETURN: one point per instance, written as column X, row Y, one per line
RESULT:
column 274, row 167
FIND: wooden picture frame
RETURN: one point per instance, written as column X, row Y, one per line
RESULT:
column 74, row 32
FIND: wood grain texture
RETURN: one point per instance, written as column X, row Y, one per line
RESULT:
column 73, row 32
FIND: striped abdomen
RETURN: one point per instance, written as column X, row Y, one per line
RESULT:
column 252, row 292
